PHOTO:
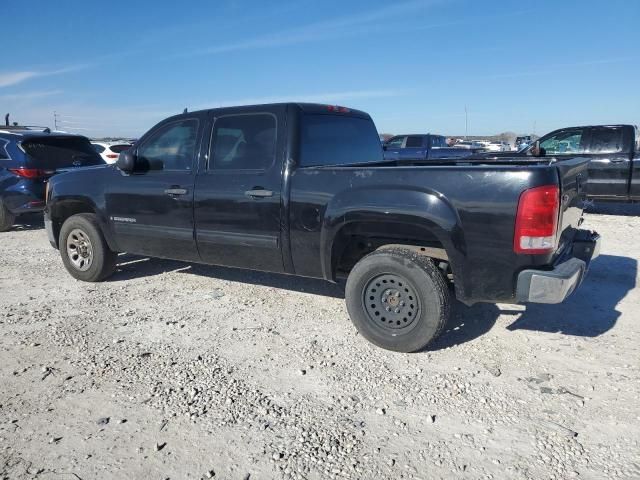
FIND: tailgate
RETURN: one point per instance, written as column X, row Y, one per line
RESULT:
column 50, row 153
column 573, row 176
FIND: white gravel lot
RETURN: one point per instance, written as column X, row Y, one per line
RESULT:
column 180, row 371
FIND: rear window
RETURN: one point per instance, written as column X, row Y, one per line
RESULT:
column 338, row 140
column 61, row 152
column 119, row 148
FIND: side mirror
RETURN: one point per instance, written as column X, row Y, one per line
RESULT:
column 126, row 161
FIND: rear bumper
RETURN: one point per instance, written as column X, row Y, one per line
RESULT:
column 556, row 284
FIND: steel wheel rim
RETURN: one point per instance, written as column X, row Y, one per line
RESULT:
column 391, row 303
column 79, row 250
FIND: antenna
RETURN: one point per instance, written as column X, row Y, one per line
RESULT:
column 55, row 120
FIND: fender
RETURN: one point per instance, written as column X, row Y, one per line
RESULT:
column 423, row 208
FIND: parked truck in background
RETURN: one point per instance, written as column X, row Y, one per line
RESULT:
column 304, row 190
column 613, row 152
column 424, row 147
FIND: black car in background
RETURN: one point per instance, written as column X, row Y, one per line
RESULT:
column 28, row 157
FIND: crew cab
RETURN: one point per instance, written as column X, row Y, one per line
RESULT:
column 28, row 157
column 424, row 147
column 613, row 151
column 303, row 189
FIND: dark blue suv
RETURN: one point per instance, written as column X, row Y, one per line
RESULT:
column 28, row 157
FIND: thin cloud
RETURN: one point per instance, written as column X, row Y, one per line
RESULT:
column 550, row 68
column 24, row 96
column 8, row 79
column 319, row 30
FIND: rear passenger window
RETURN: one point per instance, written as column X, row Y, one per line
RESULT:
column 606, row 140
column 98, row 148
column 414, row 142
column 243, row 142
column 172, row 147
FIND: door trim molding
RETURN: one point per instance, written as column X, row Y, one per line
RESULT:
column 237, row 239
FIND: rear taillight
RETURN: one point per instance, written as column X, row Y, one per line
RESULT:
column 537, row 220
column 112, row 155
column 31, row 172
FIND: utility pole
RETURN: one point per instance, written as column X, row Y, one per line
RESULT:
column 55, row 120
column 466, row 122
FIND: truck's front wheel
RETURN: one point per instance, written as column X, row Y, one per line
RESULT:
column 397, row 299
column 84, row 250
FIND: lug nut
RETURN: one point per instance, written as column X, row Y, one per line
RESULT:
column 388, row 309
column 397, row 310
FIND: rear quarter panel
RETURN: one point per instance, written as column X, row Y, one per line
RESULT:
column 471, row 209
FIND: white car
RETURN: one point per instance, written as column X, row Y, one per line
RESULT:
column 110, row 151
column 468, row 144
column 499, row 147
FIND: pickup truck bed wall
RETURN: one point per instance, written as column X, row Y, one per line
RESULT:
column 335, row 208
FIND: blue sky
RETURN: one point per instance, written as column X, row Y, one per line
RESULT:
column 116, row 68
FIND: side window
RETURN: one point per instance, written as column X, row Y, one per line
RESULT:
column 243, row 142
column 637, row 140
column 414, row 142
column 97, row 148
column 395, row 142
column 606, row 140
column 566, row 142
column 3, row 152
column 172, row 147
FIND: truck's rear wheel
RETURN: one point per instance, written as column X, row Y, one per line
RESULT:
column 397, row 299
column 84, row 251
column 6, row 218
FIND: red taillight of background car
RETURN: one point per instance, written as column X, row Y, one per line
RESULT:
column 537, row 220
column 31, row 172
column 112, row 155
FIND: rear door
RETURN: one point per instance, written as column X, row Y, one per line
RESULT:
column 238, row 190
column 414, row 148
column 151, row 210
column 610, row 168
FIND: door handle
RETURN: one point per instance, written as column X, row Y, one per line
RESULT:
column 259, row 192
column 176, row 191
column 617, row 160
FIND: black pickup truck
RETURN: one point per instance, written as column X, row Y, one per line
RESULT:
column 304, row 190
column 614, row 152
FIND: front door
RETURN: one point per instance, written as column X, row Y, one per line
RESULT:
column 238, row 191
column 151, row 210
column 393, row 148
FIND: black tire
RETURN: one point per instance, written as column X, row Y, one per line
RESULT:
column 75, row 231
column 397, row 299
column 6, row 218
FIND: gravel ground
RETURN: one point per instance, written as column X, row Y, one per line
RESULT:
column 180, row 371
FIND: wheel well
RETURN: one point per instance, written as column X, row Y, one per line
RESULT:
column 65, row 210
column 353, row 242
